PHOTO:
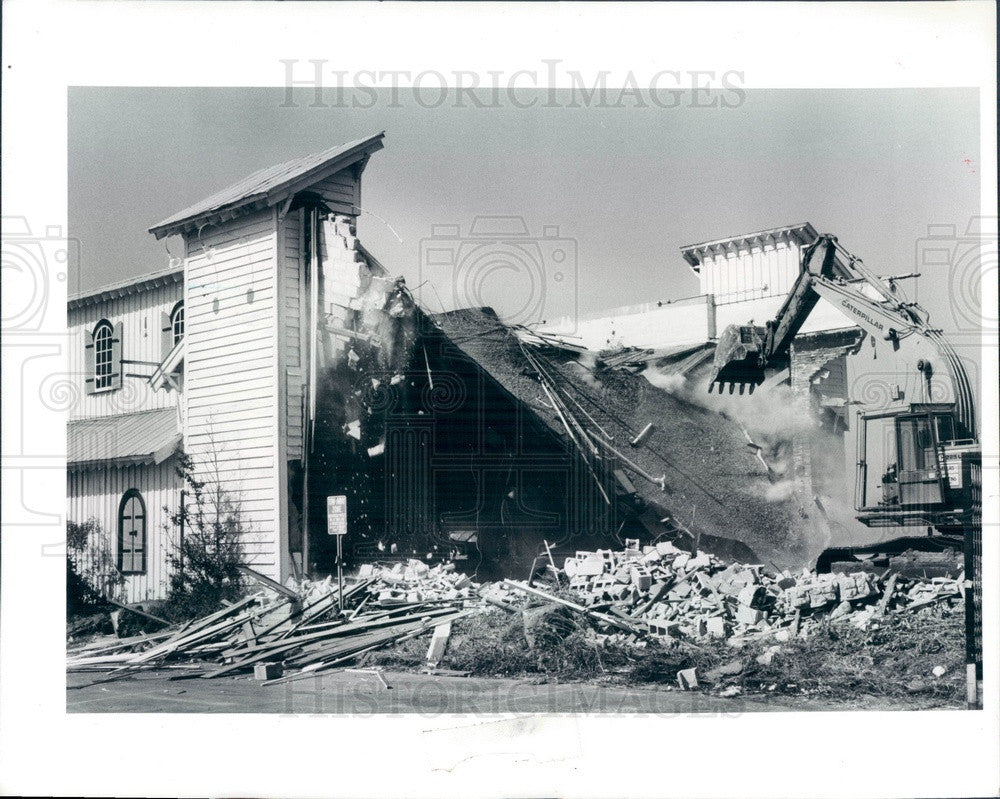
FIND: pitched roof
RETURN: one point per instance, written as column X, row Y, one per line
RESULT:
column 123, row 288
column 270, row 185
column 147, row 437
column 711, row 474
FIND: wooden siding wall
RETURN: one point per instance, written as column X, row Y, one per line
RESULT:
column 294, row 312
column 750, row 273
column 231, row 374
column 341, row 191
column 97, row 494
column 140, row 317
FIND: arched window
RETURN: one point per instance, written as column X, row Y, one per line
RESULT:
column 132, row 533
column 177, row 322
column 103, row 354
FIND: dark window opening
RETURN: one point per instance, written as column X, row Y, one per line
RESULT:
column 132, row 533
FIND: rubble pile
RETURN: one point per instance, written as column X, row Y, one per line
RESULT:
column 665, row 591
column 416, row 582
column 631, row 597
column 289, row 632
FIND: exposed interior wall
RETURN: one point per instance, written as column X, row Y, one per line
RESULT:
column 823, row 484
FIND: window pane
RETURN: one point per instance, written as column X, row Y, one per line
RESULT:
column 178, row 323
column 102, row 356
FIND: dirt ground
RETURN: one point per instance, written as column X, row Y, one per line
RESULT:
column 368, row 692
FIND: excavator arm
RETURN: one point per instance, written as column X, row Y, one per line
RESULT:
column 745, row 354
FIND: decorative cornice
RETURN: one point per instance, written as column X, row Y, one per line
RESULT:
column 801, row 234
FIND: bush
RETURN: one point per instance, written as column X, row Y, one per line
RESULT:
column 92, row 575
column 204, row 561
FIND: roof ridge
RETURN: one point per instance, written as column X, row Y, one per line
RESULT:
column 265, row 185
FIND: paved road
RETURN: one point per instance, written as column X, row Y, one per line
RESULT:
column 365, row 692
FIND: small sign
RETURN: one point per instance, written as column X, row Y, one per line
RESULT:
column 336, row 515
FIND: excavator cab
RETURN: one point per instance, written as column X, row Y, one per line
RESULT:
column 913, row 467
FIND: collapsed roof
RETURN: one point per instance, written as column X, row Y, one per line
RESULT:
column 714, row 485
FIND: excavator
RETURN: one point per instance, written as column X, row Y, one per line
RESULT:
column 924, row 458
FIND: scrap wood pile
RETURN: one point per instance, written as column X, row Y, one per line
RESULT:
column 284, row 633
column 663, row 591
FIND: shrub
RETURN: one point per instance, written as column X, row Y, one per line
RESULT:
column 91, row 573
column 207, row 549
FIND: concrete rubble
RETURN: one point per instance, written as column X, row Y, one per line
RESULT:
column 669, row 592
column 636, row 595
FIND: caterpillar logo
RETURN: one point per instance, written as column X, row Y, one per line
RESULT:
column 858, row 312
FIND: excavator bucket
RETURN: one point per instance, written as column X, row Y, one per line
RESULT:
column 737, row 360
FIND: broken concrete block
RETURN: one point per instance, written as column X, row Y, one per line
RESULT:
column 267, row 671
column 706, row 584
column 619, row 591
column 748, row 615
column 641, row 578
column 666, row 548
column 591, row 566
column 687, row 679
column 700, row 561
column 663, row 627
column 716, row 627
column 822, row 594
column 750, row 595
column 679, row 592
column 681, row 561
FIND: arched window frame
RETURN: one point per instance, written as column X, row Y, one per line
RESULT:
column 103, row 338
column 177, row 322
column 129, row 566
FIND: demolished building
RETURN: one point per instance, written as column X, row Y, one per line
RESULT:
column 290, row 366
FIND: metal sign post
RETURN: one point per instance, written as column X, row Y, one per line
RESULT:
column 336, row 524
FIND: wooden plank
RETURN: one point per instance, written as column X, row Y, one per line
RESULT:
column 620, row 624
column 439, row 643
column 883, row 603
column 267, row 581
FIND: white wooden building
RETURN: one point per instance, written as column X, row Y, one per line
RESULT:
column 124, row 433
column 212, row 360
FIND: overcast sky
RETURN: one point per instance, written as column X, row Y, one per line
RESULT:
column 628, row 186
